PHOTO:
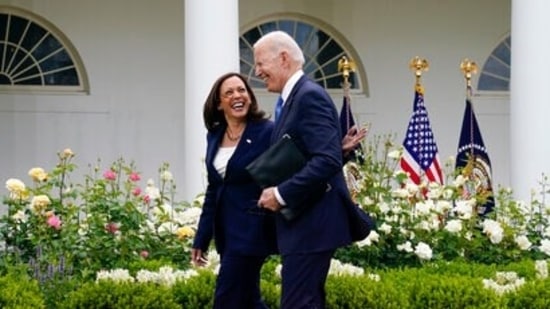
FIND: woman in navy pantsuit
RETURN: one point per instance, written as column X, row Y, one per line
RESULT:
column 244, row 234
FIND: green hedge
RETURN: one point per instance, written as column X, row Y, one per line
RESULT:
column 109, row 294
column 435, row 285
column 19, row 291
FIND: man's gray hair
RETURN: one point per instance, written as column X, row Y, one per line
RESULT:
column 278, row 41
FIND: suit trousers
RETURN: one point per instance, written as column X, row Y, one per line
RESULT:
column 238, row 283
column 303, row 280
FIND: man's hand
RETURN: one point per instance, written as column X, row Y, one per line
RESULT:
column 268, row 200
column 353, row 137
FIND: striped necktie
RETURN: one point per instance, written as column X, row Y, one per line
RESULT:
column 278, row 108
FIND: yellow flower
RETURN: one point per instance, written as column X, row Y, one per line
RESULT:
column 17, row 189
column 15, row 185
column 39, row 203
column 184, row 232
column 49, row 213
column 67, row 153
column 38, row 174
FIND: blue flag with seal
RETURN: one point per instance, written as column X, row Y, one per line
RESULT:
column 347, row 122
column 473, row 160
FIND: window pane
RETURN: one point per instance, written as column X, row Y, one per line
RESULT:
column 17, row 27
column 287, row 26
column 66, row 77
column 496, row 67
column 31, row 70
column 304, row 33
column 48, row 45
column 487, row 82
column 3, row 25
column 268, row 27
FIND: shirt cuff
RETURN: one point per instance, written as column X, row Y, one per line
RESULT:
column 278, row 197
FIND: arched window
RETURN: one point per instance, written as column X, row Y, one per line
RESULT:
column 35, row 56
column 323, row 47
column 495, row 75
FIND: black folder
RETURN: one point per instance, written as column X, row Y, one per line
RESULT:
column 278, row 163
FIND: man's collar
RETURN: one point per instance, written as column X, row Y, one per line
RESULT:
column 290, row 84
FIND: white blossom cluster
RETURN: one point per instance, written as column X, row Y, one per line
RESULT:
column 164, row 276
column 541, row 266
column 504, row 282
column 337, row 268
column 213, row 261
column 417, row 215
column 165, row 219
column 117, row 275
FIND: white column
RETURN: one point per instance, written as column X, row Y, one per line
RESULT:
column 529, row 96
column 211, row 49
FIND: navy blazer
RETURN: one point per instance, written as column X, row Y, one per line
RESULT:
column 318, row 192
column 230, row 212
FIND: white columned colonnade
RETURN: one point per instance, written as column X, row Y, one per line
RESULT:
column 211, row 49
column 529, row 96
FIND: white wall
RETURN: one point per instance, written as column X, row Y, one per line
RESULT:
column 133, row 52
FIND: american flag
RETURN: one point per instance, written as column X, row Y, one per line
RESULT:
column 420, row 156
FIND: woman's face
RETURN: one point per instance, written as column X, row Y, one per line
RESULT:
column 234, row 99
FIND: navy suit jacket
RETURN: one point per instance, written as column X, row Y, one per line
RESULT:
column 318, row 192
column 230, row 212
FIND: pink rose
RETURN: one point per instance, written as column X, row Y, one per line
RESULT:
column 109, row 175
column 146, row 199
column 144, row 254
column 136, row 191
column 111, row 227
column 54, row 222
column 134, row 177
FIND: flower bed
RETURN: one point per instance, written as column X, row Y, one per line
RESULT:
column 68, row 237
column 109, row 220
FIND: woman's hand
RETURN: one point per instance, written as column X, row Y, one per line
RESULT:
column 198, row 258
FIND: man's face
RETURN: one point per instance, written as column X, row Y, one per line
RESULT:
column 269, row 67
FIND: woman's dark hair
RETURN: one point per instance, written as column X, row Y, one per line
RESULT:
column 213, row 117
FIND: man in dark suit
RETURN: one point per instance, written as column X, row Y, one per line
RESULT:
column 314, row 200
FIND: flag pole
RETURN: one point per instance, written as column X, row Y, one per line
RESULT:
column 419, row 65
column 346, row 66
column 472, row 156
column 350, row 169
column 469, row 68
